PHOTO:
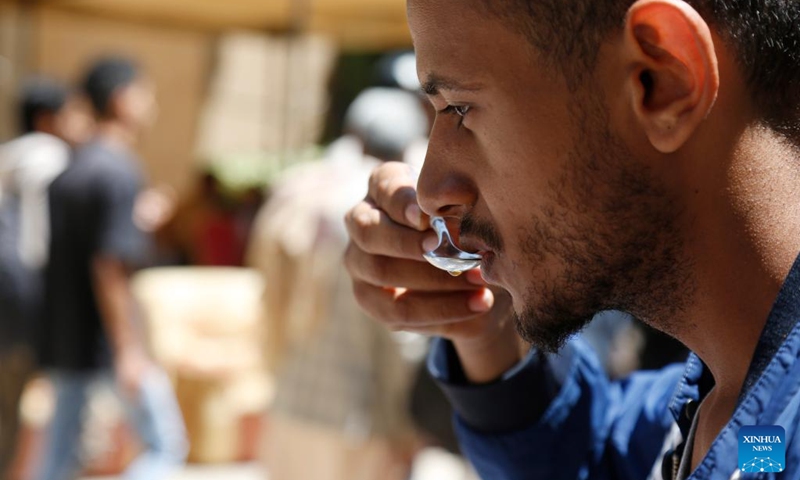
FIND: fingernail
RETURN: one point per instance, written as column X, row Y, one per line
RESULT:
column 481, row 302
column 430, row 243
column 414, row 214
column 474, row 277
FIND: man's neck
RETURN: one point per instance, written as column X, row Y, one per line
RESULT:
column 747, row 236
column 117, row 134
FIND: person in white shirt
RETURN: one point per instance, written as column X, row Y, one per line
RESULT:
column 51, row 121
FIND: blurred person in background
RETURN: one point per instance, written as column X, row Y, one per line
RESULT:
column 204, row 229
column 91, row 320
column 342, row 385
column 51, row 120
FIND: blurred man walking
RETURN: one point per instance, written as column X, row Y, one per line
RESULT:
column 342, row 385
column 92, row 321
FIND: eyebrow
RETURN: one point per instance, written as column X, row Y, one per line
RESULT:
column 435, row 83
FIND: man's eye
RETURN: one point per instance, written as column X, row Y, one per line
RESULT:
column 460, row 110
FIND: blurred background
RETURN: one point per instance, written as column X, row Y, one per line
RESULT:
column 234, row 79
column 270, row 115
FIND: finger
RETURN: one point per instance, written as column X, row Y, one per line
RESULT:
column 474, row 277
column 374, row 232
column 393, row 189
column 408, row 309
column 452, row 331
column 383, row 271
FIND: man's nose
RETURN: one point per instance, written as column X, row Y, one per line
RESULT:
column 444, row 190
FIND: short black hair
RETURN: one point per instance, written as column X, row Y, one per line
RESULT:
column 764, row 34
column 105, row 77
column 40, row 95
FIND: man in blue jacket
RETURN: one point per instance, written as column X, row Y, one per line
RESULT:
column 603, row 154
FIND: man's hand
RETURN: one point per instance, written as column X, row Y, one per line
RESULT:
column 154, row 208
column 395, row 285
column 115, row 301
column 131, row 366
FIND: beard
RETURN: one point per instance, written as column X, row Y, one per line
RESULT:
column 610, row 232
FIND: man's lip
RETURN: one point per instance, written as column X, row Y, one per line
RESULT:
column 470, row 245
column 487, row 267
column 488, row 256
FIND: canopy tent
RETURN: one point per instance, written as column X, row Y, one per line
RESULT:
column 355, row 24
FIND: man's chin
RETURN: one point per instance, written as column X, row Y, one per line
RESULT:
column 548, row 335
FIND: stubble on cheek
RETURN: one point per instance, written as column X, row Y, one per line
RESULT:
column 606, row 239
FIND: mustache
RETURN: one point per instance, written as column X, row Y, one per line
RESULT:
column 483, row 231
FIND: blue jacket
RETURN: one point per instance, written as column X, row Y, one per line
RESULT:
column 558, row 416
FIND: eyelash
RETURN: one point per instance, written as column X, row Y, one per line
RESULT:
column 460, row 110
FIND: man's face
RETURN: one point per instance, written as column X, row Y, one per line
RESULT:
column 74, row 123
column 570, row 222
column 137, row 103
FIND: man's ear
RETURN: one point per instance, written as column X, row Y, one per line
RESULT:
column 674, row 76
